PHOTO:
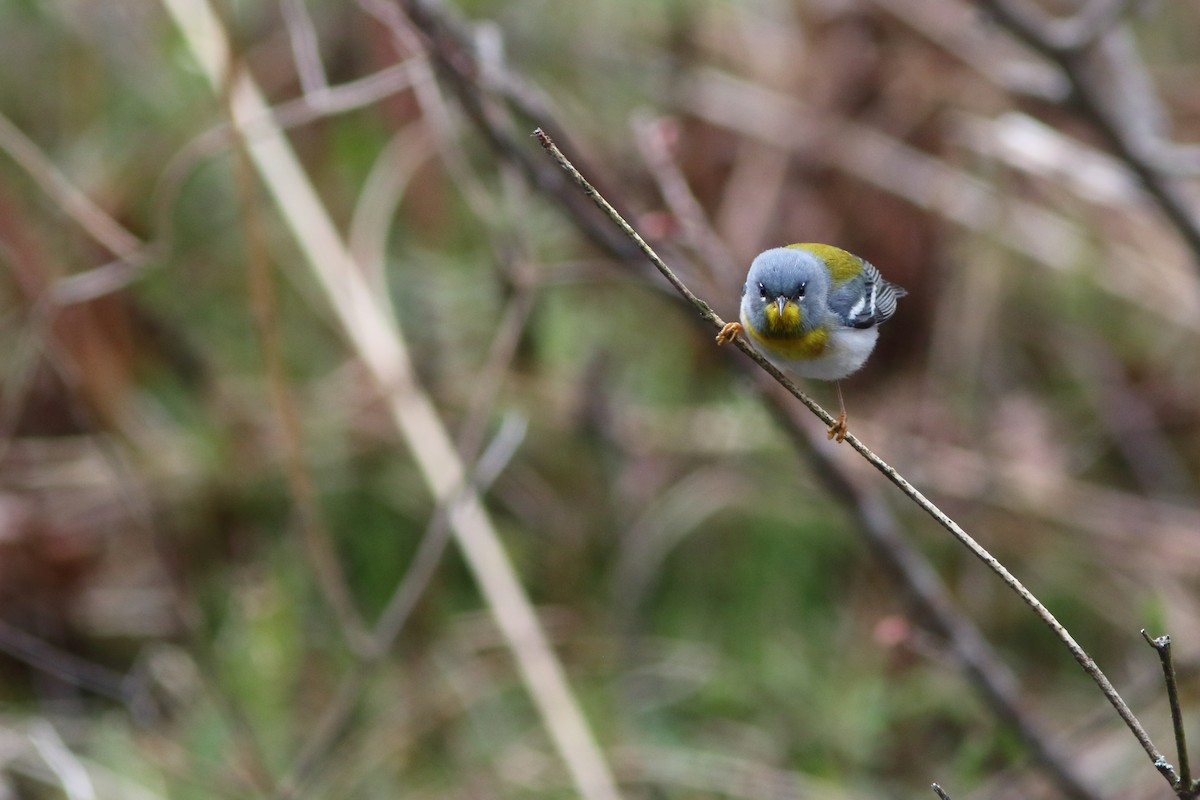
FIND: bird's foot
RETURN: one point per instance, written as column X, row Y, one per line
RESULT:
column 839, row 430
column 729, row 333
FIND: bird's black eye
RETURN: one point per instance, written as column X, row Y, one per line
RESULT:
column 800, row 291
column 762, row 291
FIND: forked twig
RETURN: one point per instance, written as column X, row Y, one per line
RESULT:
column 1080, row 655
column 1162, row 646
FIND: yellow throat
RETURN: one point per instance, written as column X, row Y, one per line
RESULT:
column 785, row 336
column 789, row 323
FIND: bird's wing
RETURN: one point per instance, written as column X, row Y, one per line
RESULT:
column 865, row 300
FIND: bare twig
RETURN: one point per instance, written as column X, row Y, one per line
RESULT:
column 708, row 315
column 939, row 791
column 1162, row 646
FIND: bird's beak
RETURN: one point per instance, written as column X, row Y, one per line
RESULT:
column 781, row 303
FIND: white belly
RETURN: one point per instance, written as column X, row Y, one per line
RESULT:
column 846, row 351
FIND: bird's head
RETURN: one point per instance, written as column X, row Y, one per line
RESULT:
column 785, row 292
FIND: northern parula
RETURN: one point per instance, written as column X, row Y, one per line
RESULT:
column 814, row 310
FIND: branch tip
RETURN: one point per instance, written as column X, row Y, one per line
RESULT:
column 1181, row 781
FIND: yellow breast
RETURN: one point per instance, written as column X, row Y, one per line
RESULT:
column 795, row 346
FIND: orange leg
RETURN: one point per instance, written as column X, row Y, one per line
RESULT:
column 729, row 332
column 839, row 429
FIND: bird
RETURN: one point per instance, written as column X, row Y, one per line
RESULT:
column 814, row 311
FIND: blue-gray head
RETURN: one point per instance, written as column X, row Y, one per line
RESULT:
column 786, row 292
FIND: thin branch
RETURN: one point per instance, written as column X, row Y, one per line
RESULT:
column 705, row 311
column 939, row 791
column 1162, row 646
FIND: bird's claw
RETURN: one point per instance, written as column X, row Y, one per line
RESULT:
column 839, row 430
column 729, row 333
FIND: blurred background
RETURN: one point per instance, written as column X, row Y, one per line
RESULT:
column 282, row 363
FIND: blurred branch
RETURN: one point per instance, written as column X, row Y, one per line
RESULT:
column 302, row 35
column 939, row 791
column 447, row 45
column 654, row 138
column 74, row 203
column 22, row 754
column 132, row 254
column 1185, row 787
column 379, row 343
column 912, row 570
column 72, row 777
column 435, row 112
column 706, row 313
column 42, row 655
column 953, row 25
column 1110, row 89
column 385, row 186
column 1073, row 33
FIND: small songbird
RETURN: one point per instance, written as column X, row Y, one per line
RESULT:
column 814, row 310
